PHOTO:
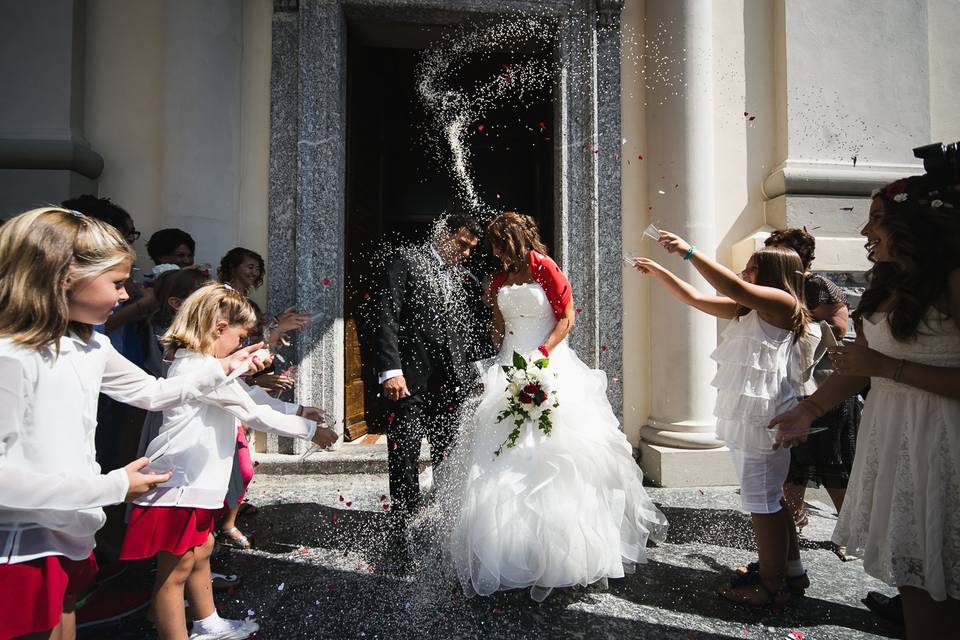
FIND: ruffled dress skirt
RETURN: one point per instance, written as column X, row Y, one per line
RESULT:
column 556, row 510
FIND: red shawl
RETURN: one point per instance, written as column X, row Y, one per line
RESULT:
column 548, row 275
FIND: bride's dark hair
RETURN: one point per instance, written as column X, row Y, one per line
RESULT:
column 514, row 235
column 923, row 223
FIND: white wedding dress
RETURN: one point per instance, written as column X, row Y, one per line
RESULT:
column 554, row 511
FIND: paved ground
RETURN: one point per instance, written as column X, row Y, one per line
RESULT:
column 322, row 570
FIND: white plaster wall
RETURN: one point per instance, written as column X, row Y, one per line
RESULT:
column 944, row 17
column 857, row 80
column 177, row 103
column 634, row 202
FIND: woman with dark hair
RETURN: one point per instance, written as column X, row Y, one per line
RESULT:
column 826, row 457
column 902, row 510
column 547, row 502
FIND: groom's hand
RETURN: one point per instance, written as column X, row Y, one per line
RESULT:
column 395, row 388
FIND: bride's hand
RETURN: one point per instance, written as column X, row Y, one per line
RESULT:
column 673, row 243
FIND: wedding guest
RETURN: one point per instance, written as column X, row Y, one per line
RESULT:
column 61, row 272
column 826, row 457
column 902, row 509
column 760, row 364
column 175, row 520
column 171, row 246
column 243, row 269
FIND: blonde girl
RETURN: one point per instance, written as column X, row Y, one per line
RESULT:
column 60, row 273
column 759, row 373
column 196, row 442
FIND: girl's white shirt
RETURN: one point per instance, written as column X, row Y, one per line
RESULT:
column 198, row 438
column 51, row 488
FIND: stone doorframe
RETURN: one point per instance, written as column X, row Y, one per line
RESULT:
column 307, row 223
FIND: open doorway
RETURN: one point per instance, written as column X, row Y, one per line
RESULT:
column 396, row 186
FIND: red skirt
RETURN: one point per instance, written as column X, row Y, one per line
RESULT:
column 32, row 593
column 175, row 530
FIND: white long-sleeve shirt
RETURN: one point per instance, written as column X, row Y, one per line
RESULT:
column 197, row 438
column 51, row 488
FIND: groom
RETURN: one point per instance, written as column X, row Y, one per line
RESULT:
column 423, row 345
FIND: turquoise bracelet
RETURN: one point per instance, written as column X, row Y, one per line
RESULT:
column 690, row 252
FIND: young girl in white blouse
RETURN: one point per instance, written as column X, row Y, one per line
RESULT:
column 762, row 361
column 60, row 273
column 196, row 443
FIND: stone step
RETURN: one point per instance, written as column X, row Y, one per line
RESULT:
column 365, row 455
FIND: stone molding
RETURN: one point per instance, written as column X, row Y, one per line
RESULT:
column 307, row 180
column 832, row 179
column 71, row 154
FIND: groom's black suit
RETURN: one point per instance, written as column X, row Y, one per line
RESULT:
column 422, row 333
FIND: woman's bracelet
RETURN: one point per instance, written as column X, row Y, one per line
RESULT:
column 689, row 253
column 899, row 372
column 543, row 349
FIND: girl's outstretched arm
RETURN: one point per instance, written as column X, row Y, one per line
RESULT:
column 762, row 299
column 719, row 306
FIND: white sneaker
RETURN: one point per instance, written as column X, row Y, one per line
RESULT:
column 239, row 630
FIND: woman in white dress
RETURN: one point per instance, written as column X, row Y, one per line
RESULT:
column 557, row 510
column 902, row 510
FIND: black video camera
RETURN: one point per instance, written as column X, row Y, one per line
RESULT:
column 941, row 162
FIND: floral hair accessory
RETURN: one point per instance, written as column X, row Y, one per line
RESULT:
column 896, row 191
column 226, row 285
column 76, row 214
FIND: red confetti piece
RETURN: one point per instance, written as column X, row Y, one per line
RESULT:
column 386, row 507
column 481, row 127
column 603, row 348
column 366, row 295
column 615, row 379
column 394, row 446
column 640, row 157
column 349, row 503
column 752, row 118
column 371, row 569
column 334, row 517
column 382, row 498
column 510, row 332
column 303, row 552
column 391, row 418
column 326, row 281
column 359, row 566
column 341, row 498
column 450, row 407
column 543, row 126
column 746, row 113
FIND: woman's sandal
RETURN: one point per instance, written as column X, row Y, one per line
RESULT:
column 796, row 585
column 224, row 582
column 801, row 522
column 748, row 589
column 841, row 552
column 233, row 537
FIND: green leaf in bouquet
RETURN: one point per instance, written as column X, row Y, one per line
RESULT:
column 506, row 369
column 541, row 363
column 519, row 361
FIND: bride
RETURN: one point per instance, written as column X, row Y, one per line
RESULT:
column 541, row 510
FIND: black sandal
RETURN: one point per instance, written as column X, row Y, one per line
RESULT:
column 796, row 585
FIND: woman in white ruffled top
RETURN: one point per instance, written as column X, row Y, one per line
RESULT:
column 902, row 511
column 762, row 362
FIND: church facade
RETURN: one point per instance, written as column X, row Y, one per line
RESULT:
column 715, row 120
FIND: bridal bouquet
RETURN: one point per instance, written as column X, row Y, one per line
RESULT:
column 531, row 396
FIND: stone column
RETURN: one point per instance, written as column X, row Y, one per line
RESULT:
column 307, row 225
column 588, row 242
column 681, row 184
